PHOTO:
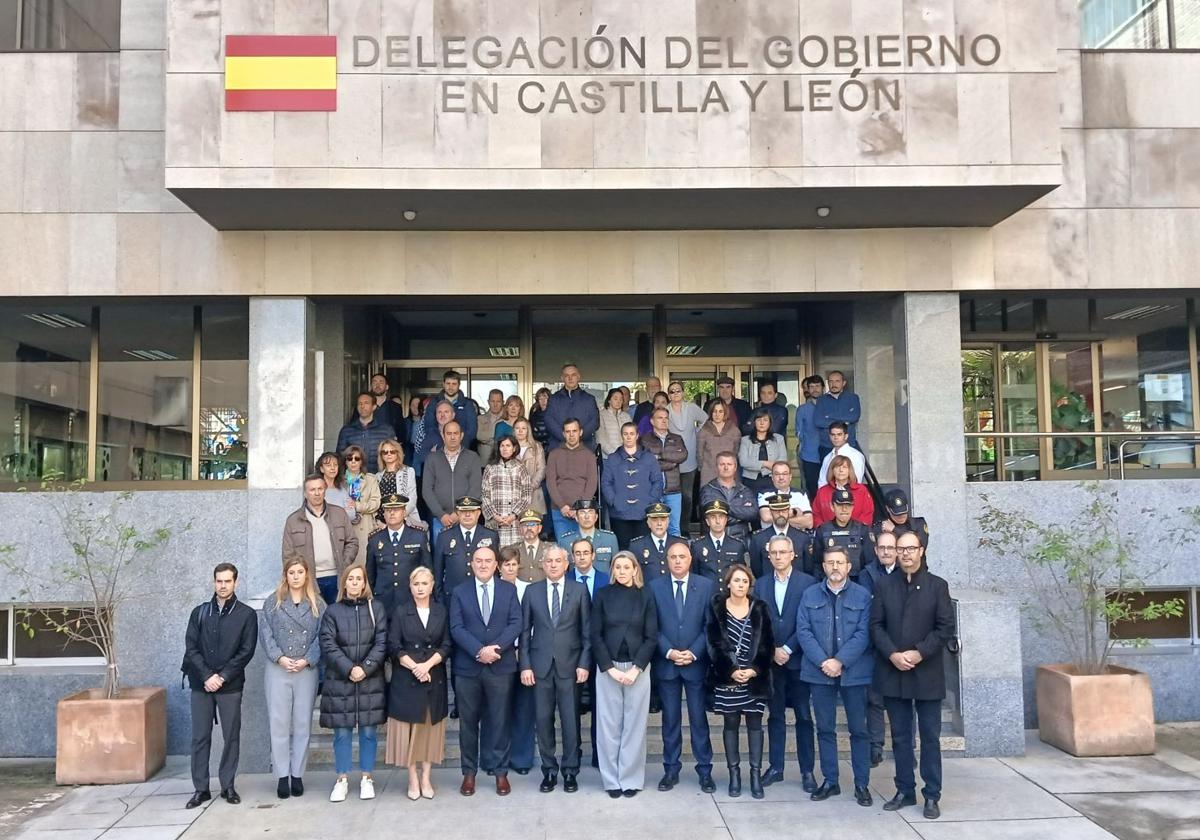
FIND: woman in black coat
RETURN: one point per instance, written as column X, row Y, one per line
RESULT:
column 353, row 647
column 418, row 645
column 740, row 649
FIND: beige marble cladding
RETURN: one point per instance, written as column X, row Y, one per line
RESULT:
column 733, row 107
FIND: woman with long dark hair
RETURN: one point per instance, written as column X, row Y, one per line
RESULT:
column 507, row 490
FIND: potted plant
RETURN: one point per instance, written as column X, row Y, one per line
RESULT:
column 112, row 733
column 1084, row 577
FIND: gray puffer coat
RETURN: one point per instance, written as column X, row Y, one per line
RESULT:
column 353, row 632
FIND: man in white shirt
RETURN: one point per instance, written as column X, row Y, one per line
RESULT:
column 800, row 514
column 839, row 436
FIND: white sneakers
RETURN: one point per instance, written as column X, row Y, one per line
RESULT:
column 366, row 789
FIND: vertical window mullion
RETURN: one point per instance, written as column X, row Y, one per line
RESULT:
column 196, row 351
column 1170, row 4
column 93, row 443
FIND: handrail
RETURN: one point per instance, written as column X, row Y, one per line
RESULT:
column 1191, row 441
column 1079, row 434
column 1188, row 440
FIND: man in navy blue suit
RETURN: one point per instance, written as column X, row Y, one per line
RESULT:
column 583, row 558
column 485, row 623
column 782, row 590
column 682, row 600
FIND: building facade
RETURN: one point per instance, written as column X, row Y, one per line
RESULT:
column 218, row 217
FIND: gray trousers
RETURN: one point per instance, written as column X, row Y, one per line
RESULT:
column 228, row 709
column 290, row 699
column 555, row 693
column 621, row 715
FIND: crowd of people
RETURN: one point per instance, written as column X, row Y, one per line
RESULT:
column 411, row 594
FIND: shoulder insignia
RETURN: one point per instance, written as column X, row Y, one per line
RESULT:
column 379, row 545
column 646, row 553
column 453, row 542
column 704, row 551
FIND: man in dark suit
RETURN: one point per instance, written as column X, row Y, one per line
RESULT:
column 651, row 549
column 556, row 658
column 716, row 551
column 781, row 590
column 393, row 552
column 682, row 601
column 780, row 506
column 455, row 546
column 583, row 558
column 912, row 619
column 485, row 623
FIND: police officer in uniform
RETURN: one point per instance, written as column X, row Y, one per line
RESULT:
column 716, row 551
column 651, row 549
column 780, row 505
column 393, row 552
column 899, row 519
column 452, row 553
column 531, row 547
column 845, row 533
column 604, row 543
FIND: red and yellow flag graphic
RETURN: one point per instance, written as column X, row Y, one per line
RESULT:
column 280, row 73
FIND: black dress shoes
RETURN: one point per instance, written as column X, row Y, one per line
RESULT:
column 549, row 782
column 570, row 783
column 770, row 776
column 825, row 791
column 521, row 771
column 932, row 811
column 899, row 801
column 808, row 782
column 454, row 713
column 297, row 786
column 629, row 794
column 863, row 797
column 876, row 756
column 231, row 796
column 198, row 799
column 614, row 794
column 668, row 781
column 284, row 789
column 707, row 784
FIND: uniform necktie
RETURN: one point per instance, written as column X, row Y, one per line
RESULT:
column 529, row 548
column 487, row 605
column 679, row 598
column 395, row 538
column 661, row 547
column 555, row 605
column 717, row 545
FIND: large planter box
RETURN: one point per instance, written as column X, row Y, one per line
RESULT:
column 102, row 742
column 1106, row 714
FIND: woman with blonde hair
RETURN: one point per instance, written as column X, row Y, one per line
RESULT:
column 513, row 410
column 532, row 456
column 353, row 650
column 363, row 489
column 395, row 478
column 289, row 629
column 418, row 644
column 624, row 635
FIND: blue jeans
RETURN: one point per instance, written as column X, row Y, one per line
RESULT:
column 790, row 692
column 854, row 698
column 929, row 723
column 328, row 587
column 675, row 502
column 367, row 743
column 671, row 692
column 563, row 526
column 435, row 527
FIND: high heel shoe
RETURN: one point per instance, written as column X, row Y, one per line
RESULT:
column 427, row 791
column 414, row 795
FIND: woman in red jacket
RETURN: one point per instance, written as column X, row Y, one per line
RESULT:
column 841, row 474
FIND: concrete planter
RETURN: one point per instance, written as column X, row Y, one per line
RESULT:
column 1107, row 714
column 102, row 742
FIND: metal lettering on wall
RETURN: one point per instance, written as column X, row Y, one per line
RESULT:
column 852, row 62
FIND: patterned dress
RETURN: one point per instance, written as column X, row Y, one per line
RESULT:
column 402, row 483
column 506, row 491
column 731, row 697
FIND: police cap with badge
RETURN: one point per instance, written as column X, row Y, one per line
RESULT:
column 657, row 509
column 467, row 503
column 530, row 517
column 716, row 506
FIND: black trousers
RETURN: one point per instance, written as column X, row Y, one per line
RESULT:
column 875, row 718
column 626, row 530
column 551, row 694
column 484, row 702
column 929, row 724
column 227, row 708
column 812, row 477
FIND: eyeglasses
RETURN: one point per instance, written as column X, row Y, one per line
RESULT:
column 675, row 391
column 885, row 549
column 391, row 452
column 907, row 549
column 354, row 458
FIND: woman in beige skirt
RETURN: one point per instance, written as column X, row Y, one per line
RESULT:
column 418, row 645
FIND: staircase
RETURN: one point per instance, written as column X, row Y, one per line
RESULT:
column 320, row 750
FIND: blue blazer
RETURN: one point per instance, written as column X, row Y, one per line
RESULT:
column 814, row 629
column 601, row 579
column 685, row 634
column 470, row 633
column 783, row 625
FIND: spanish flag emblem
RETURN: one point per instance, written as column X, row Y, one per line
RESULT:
column 280, row 73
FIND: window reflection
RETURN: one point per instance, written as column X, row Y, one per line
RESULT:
column 224, row 390
column 60, row 25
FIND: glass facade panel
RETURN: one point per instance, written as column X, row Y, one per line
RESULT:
column 1126, row 24
column 44, row 380
column 44, row 643
column 224, row 390
column 1072, row 405
column 60, row 25
column 1019, row 409
column 979, row 411
column 415, row 334
column 145, row 424
column 1168, row 627
column 1187, row 24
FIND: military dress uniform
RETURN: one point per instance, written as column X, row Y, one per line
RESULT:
column 895, row 504
column 604, row 543
column 711, row 560
column 645, row 548
column 452, row 552
column 531, row 554
column 854, row 537
column 391, row 558
column 760, row 563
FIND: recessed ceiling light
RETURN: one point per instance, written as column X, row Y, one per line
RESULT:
column 823, row 212
column 410, row 215
column 151, row 355
column 54, row 320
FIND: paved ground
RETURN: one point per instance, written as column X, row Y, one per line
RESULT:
column 1045, row 795
column 26, row 789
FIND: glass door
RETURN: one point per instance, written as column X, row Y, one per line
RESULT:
column 1072, row 379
